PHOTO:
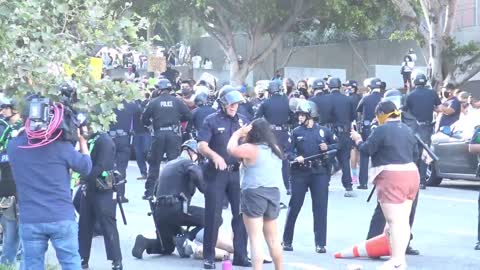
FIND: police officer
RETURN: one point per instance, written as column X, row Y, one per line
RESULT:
column 277, row 112
column 321, row 98
column 351, row 90
column 199, row 114
column 421, row 103
column 366, row 107
column 342, row 114
column 165, row 114
column 98, row 202
column 309, row 139
column 175, row 188
column 222, row 172
column 377, row 224
column 246, row 108
column 260, row 91
column 121, row 132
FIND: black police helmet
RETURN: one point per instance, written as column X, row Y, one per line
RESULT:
column 304, row 107
column 67, row 89
column 201, row 99
column 351, row 83
column 163, row 84
column 318, row 84
column 230, row 95
column 190, row 145
column 373, row 83
column 420, row 79
column 334, row 83
column 394, row 96
column 274, row 86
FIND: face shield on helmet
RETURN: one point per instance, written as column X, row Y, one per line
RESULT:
column 394, row 96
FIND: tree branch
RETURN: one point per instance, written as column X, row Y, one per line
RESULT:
column 450, row 17
column 464, row 70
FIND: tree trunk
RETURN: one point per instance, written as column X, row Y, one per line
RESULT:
column 152, row 23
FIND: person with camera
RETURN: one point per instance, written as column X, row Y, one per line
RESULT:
column 171, row 210
column 98, row 202
column 309, row 172
column 164, row 113
column 10, row 125
column 41, row 162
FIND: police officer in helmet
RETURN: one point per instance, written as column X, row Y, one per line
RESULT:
column 366, row 107
column 222, row 172
column 277, row 112
column 164, row 113
column 200, row 113
column 309, row 139
column 176, row 186
column 421, row 103
column 321, row 98
column 342, row 114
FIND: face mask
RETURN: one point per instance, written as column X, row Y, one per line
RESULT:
column 302, row 89
column 446, row 94
column 261, row 95
column 348, row 92
column 382, row 118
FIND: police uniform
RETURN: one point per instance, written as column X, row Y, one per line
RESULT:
column 98, row 204
column 366, row 107
column 165, row 114
column 216, row 131
column 198, row 116
column 342, row 114
column 324, row 106
column 246, row 109
column 176, row 186
column 314, row 175
column 277, row 112
column 120, row 132
column 421, row 103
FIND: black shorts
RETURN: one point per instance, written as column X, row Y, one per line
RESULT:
column 260, row 202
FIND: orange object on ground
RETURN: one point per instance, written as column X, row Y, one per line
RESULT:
column 375, row 247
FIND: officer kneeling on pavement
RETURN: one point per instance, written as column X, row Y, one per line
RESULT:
column 171, row 209
column 98, row 200
column 310, row 170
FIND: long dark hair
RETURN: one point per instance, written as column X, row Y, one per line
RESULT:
column 261, row 133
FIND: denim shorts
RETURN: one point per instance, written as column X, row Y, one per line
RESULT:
column 260, row 202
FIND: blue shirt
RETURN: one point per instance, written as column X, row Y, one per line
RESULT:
column 421, row 102
column 275, row 110
column 342, row 112
column 217, row 130
column 368, row 104
column 42, row 176
column 448, row 120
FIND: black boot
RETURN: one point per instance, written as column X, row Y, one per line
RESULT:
column 412, row 251
column 117, row 265
column 241, row 261
column 287, row 247
column 320, row 249
column 139, row 247
column 208, row 264
column 84, row 263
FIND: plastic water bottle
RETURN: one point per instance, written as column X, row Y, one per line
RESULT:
column 227, row 265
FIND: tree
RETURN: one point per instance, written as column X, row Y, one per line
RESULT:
column 433, row 23
column 38, row 38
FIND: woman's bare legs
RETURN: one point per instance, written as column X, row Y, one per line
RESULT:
column 254, row 228
column 273, row 242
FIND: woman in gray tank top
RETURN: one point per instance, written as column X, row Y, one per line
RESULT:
column 261, row 177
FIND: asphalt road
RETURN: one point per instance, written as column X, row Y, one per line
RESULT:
column 444, row 231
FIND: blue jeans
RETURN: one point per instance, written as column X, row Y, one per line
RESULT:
column 64, row 238
column 142, row 143
column 10, row 240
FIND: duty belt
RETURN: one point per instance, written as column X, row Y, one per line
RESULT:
column 232, row 167
column 117, row 133
column 168, row 200
column 341, row 129
column 308, row 164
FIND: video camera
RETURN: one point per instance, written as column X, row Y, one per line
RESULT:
column 42, row 111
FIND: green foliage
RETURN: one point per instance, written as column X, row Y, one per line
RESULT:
column 455, row 50
column 37, row 38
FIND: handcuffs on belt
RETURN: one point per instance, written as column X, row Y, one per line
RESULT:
column 172, row 200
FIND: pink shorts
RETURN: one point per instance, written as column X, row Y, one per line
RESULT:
column 397, row 186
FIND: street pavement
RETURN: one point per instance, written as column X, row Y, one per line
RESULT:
column 444, row 231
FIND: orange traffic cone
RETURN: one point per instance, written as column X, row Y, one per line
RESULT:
column 375, row 247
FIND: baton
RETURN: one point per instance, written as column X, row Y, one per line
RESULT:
column 120, row 206
column 426, row 148
column 152, row 213
column 315, row 156
column 371, row 193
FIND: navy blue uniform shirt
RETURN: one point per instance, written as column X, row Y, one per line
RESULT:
column 391, row 143
column 198, row 116
column 342, row 112
column 421, row 102
column 306, row 141
column 246, row 109
column 275, row 110
column 125, row 117
column 138, row 126
column 448, row 120
column 165, row 111
column 355, row 98
column 368, row 104
column 42, row 176
column 217, row 130
column 324, row 107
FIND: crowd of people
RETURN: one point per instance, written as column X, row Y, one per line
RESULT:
column 237, row 147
